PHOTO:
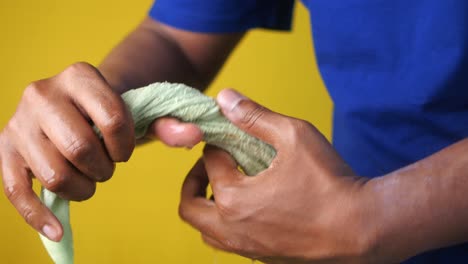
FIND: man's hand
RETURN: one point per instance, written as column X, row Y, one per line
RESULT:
column 51, row 137
column 307, row 206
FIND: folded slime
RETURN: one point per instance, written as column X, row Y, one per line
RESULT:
column 188, row 105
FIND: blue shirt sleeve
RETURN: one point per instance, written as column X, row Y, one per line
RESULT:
column 223, row 16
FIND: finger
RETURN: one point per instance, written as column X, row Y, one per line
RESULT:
column 55, row 173
column 252, row 117
column 18, row 188
column 220, row 167
column 194, row 208
column 174, row 133
column 195, row 183
column 72, row 135
column 214, row 243
column 107, row 110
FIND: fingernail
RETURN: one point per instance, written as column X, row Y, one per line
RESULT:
column 48, row 174
column 49, row 232
column 228, row 99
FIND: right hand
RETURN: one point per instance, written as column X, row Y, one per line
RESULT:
column 51, row 137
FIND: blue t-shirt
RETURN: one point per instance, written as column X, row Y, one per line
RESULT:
column 397, row 72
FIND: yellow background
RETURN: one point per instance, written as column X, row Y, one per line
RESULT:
column 133, row 217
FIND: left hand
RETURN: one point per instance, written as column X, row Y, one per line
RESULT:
column 306, row 207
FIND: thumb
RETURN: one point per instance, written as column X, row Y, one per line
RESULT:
column 174, row 133
column 251, row 117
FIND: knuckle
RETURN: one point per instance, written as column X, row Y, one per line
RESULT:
column 29, row 215
column 253, row 113
column 78, row 68
column 79, row 149
column 119, row 129
column 301, row 126
column 12, row 129
column 296, row 130
column 226, row 202
column 34, row 91
column 115, row 125
column 13, row 192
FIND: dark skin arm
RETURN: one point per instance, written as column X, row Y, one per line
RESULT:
column 422, row 206
column 50, row 135
column 310, row 207
column 157, row 52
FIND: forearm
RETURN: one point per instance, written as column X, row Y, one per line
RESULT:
column 423, row 206
column 156, row 52
column 146, row 56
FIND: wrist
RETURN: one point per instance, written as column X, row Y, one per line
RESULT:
column 390, row 231
column 372, row 224
column 367, row 227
